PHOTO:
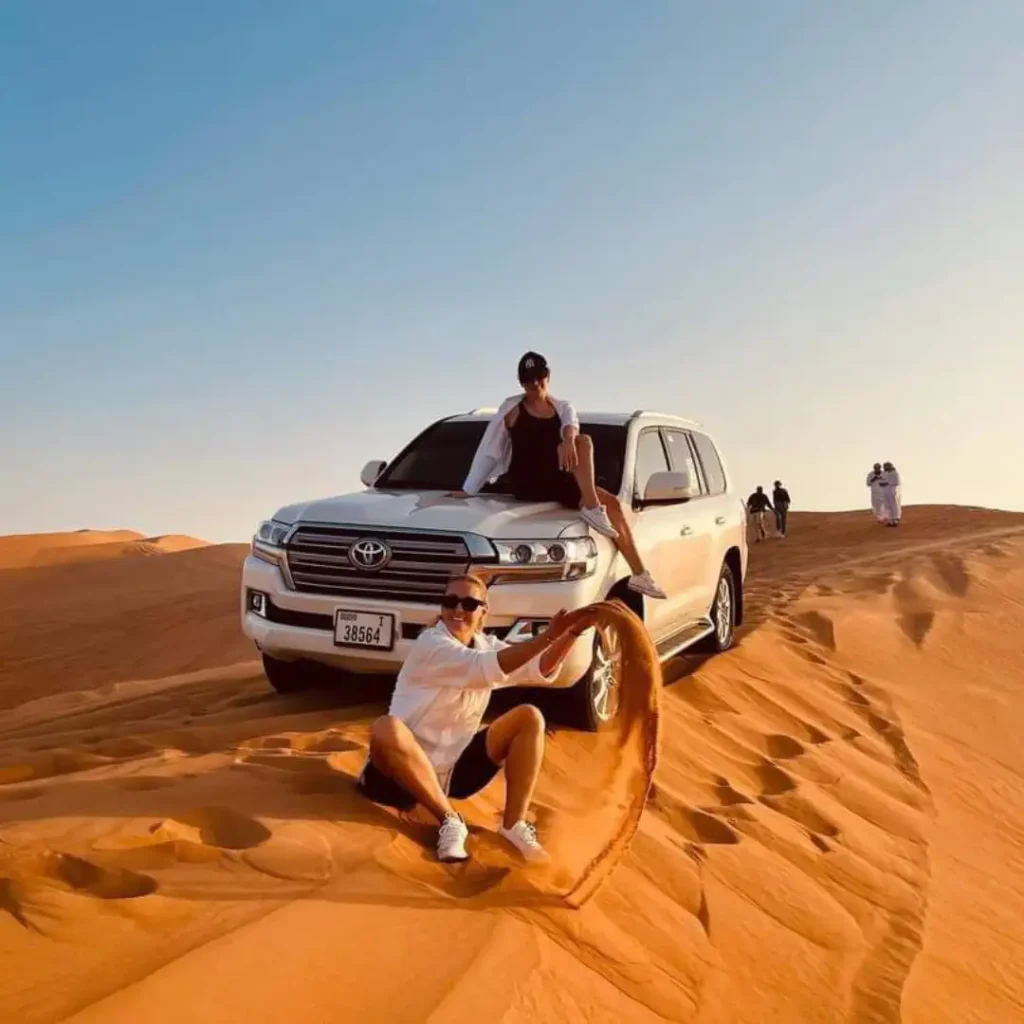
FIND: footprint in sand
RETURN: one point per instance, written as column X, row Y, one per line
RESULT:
column 217, row 826
column 820, row 627
column 694, row 825
column 103, row 883
column 783, row 747
column 774, row 781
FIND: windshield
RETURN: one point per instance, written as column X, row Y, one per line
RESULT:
column 439, row 459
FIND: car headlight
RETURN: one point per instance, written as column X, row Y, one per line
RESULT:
column 568, row 558
column 268, row 541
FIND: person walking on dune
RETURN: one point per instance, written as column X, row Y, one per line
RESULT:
column 891, row 495
column 876, row 481
column 534, row 445
column 758, row 506
column 781, row 501
column 429, row 748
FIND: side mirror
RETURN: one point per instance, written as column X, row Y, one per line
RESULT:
column 669, row 486
column 371, row 471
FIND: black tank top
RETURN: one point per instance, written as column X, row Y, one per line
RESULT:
column 535, row 444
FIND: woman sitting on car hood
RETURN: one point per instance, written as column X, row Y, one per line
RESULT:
column 534, row 445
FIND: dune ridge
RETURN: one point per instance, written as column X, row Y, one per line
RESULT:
column 832, row 833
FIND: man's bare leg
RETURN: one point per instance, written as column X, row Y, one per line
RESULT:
column 395, row 753
column 516, row 740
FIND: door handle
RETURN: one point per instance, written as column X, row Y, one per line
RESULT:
column 720, row 520
column 686, row 531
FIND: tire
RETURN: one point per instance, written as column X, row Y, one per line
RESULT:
column 594, row 701
column 723, row 615
column 288, row 676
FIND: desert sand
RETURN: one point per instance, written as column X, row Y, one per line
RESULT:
column 835, row 831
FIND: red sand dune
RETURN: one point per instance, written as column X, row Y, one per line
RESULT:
column 835, row 832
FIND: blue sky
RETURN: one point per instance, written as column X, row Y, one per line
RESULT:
column 245, row 247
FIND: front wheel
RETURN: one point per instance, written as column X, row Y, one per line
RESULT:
column 288, row 676
column 723, row 615
column 594, row 700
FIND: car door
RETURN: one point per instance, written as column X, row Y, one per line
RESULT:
column 664, row 533
column 722, row 509
column 697, row 516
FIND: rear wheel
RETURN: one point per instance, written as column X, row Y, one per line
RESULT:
column 594, row 700
column 723, row 615
column 289, row 676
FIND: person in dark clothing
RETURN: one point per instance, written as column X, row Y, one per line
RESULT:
column 757, row 506
column 781, row 501
column 534, row 449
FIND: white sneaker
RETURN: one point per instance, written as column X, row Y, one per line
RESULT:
column 597, row 517
column 523, row 836
column 451, row 839
column 643, row 583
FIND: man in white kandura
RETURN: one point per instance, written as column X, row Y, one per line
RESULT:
column 876, row 481
column 429, row 748
column 891, row 495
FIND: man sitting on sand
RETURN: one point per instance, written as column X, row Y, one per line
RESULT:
column 429, row 747
column 535, row 446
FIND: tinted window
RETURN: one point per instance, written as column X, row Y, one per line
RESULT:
column 439, row 459
column 713, row 471
column 681, row 456
column 650, row 458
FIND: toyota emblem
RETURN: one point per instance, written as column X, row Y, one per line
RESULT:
column 369, row 554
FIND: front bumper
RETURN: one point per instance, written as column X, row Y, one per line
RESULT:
column 314, row 638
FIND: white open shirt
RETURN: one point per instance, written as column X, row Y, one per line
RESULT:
column 494, row 453
column 444, row 687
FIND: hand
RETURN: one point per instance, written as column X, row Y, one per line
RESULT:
column 567, row 458
column 574, row 622
column 559, row 624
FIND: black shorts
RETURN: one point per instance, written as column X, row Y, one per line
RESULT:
column 559, row 486
column 473, row 770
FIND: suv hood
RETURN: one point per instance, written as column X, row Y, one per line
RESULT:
column 487, row 515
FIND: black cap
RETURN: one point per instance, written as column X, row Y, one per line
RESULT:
column 533, row 366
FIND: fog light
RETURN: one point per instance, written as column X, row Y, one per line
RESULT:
column 258, row 603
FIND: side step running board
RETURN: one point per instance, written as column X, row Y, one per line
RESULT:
column 685, row 637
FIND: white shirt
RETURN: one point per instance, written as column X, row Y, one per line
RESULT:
column 444, row 687
column 494, row 453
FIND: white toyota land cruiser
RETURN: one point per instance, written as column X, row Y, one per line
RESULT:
column 351, row 581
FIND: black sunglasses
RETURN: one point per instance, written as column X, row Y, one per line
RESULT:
column 469, row 604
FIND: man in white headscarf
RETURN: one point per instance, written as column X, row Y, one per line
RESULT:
column 876, row 481
column 891, row 493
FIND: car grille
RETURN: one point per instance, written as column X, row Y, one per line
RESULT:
column 418, row 570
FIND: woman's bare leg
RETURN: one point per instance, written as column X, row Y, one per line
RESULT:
column 584, row 472
column 395, row 753
column 624, row 541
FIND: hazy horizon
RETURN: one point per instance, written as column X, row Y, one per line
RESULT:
column 244, row 251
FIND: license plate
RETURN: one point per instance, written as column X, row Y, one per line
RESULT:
column 368, row 630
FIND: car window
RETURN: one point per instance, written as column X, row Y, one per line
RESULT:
column 713, row 471
column 439, row 459
column 681, row 457
column 650, row 458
